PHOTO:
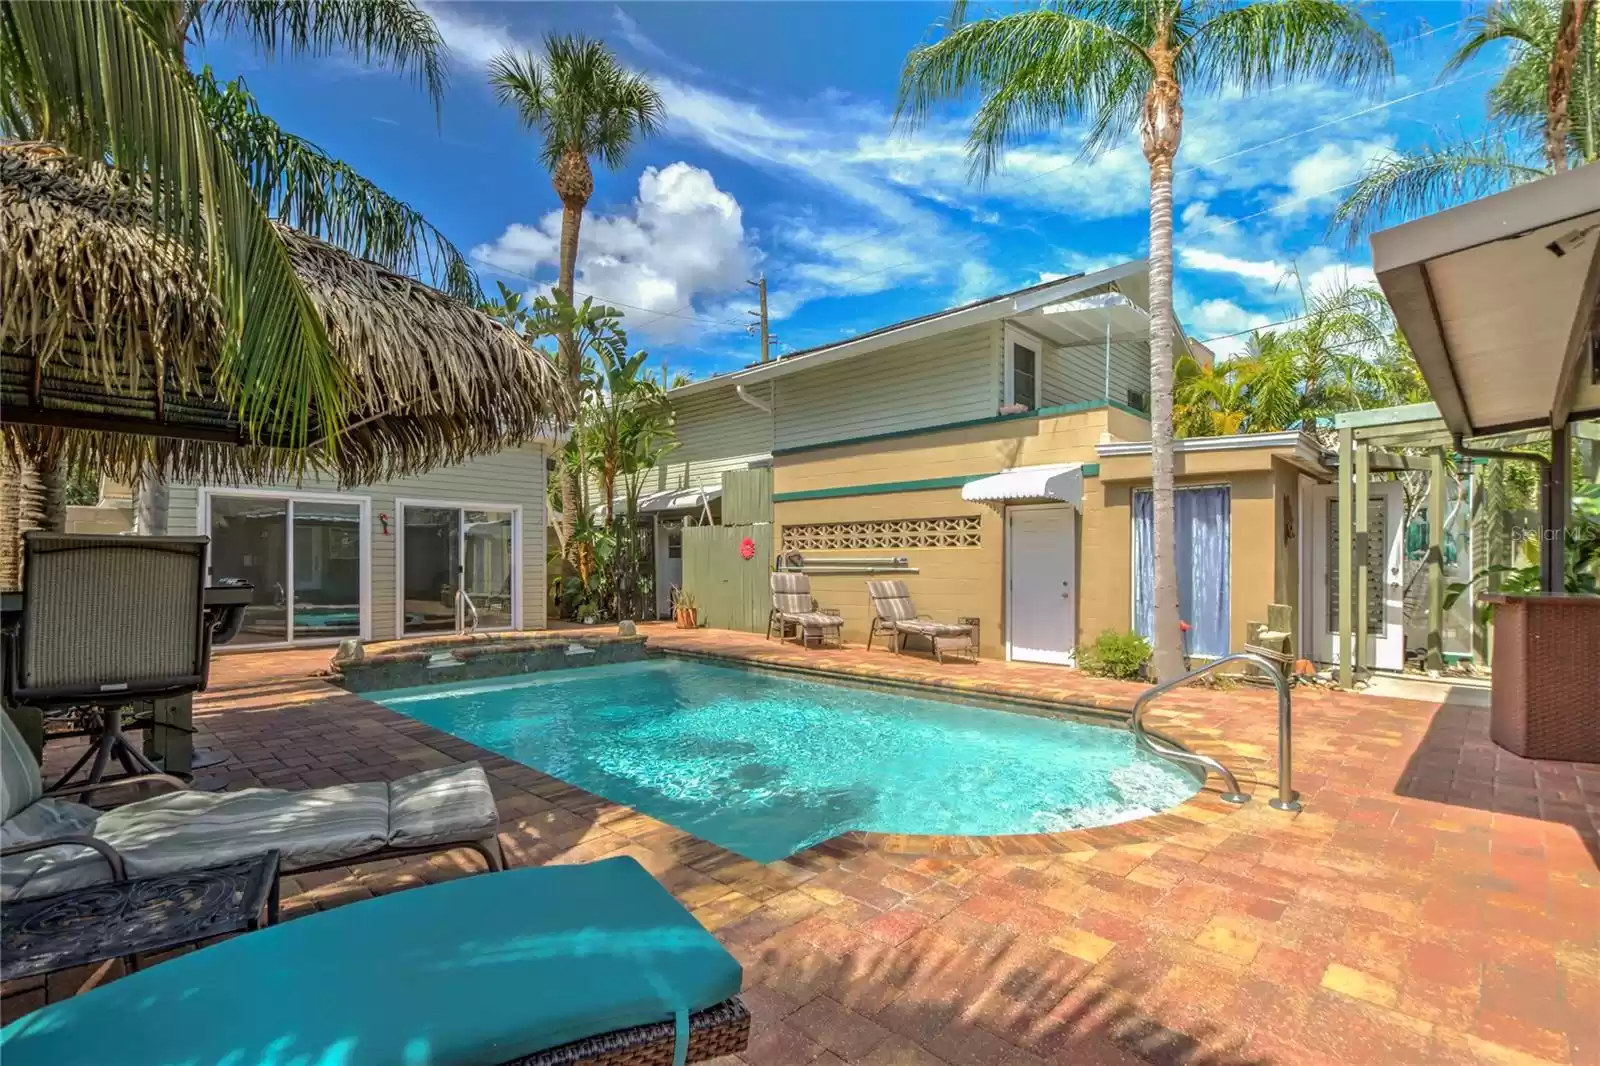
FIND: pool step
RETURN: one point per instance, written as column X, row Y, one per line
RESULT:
column 443, row 660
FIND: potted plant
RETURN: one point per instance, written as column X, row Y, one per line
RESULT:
column 684, row 609
column 588, row 612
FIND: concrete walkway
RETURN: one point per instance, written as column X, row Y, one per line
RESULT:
column 1437, row 901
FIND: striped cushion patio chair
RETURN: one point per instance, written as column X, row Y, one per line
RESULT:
column 894, row 614
column 793, row 607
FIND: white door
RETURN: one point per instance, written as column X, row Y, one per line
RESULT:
column 1041, row 603
column 669, row 565
column 1385, row 582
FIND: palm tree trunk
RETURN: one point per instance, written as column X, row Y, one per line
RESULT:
column 35, row 500
column 150, row 503
column 1558, row 112
column 574, row 184
column 1168, row 639
column 10, row 534
column 1161, row 130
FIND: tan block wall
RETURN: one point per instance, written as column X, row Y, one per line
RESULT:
column 1262, row 568
column 954, row 582
column 982, row 449
column 950, row 583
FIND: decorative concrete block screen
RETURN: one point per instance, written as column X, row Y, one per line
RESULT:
column 959, row 531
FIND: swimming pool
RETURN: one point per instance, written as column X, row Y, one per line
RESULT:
column 767, row 765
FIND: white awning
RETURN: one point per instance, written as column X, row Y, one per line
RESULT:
column 1497, row 298
column 678, row 499
column 1058, row 481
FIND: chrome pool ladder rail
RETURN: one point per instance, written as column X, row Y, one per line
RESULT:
column 462, row 599
column 1287, row 798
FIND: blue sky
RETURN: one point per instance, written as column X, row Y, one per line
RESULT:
column 779, row 157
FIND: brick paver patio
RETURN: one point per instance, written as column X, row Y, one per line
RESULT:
column 1437, row 901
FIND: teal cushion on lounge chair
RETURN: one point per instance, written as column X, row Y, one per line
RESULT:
column 474, row 971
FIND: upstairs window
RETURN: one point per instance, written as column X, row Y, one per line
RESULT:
column 1022, row 371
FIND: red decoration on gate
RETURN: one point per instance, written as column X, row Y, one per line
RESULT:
column 747, row 548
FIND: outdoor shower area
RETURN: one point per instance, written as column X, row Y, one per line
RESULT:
column 1421, row 525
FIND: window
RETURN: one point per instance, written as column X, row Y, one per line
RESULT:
column 1022, row 370
column 1139, row 400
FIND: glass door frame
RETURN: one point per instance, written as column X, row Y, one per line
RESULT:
column 460, row 507
column 289, row 498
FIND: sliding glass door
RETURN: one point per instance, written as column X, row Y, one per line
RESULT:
column 458, row 567
column 304, row 555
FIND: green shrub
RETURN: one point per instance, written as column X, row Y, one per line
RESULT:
column 1119, row 655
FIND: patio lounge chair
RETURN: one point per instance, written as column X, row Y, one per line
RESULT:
column 551, row 966
column 894, row 614
column 49, row 844
column 793, row 605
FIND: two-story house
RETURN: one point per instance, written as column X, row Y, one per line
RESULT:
column 1001, row 448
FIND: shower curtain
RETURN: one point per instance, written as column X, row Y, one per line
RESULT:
column 1203, row 567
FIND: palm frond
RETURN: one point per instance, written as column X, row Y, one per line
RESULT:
column 1527, row 22
column 301, row 185
column 390, row 33
column 579, row 97
column 1406, row 186
column 1035, row 71
column 1257, row 46
column 113, row 91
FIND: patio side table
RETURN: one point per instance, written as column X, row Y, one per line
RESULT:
column 143, row 914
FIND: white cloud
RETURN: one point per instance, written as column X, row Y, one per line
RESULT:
column 1321, row 176
column 976, row 280
column 1264, row 272
column 1223, row 325
column 683, row 241
column 644, row 44
column 1337, row 276
column 473, row 42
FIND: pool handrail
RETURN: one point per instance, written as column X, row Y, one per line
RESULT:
column 465, row 627
column 1287, row 799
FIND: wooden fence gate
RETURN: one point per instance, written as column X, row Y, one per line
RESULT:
column 732, row 592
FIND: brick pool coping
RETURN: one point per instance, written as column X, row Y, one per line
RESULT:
column 1437, row 902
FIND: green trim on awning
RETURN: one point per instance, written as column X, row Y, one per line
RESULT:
column 1043, row 412
column 884, row 488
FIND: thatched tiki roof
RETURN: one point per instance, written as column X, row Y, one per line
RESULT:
column 110, row 342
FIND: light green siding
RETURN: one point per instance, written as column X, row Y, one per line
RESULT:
column 747, row 496
column 1078, row 374
column 514, row 477
column 946, row 378
column 716, row 431
column 730, row 591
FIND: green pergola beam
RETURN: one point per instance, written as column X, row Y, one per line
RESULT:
column 1346, row 552
column 1387, row 416
column 1436, row 516
column 1363, row 553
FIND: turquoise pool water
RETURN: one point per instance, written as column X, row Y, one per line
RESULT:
column 766, row 765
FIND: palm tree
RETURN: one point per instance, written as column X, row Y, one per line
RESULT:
column 1120, row 65
column 1544, row 111
column 583, row 103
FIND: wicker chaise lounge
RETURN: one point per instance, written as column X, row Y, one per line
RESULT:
column 49, row 844
column 793, row 607
column 895, row 615
column 559, row 965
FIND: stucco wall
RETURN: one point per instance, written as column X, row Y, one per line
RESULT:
column 987, row 448
column 1263, row 569
column 951, row 582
